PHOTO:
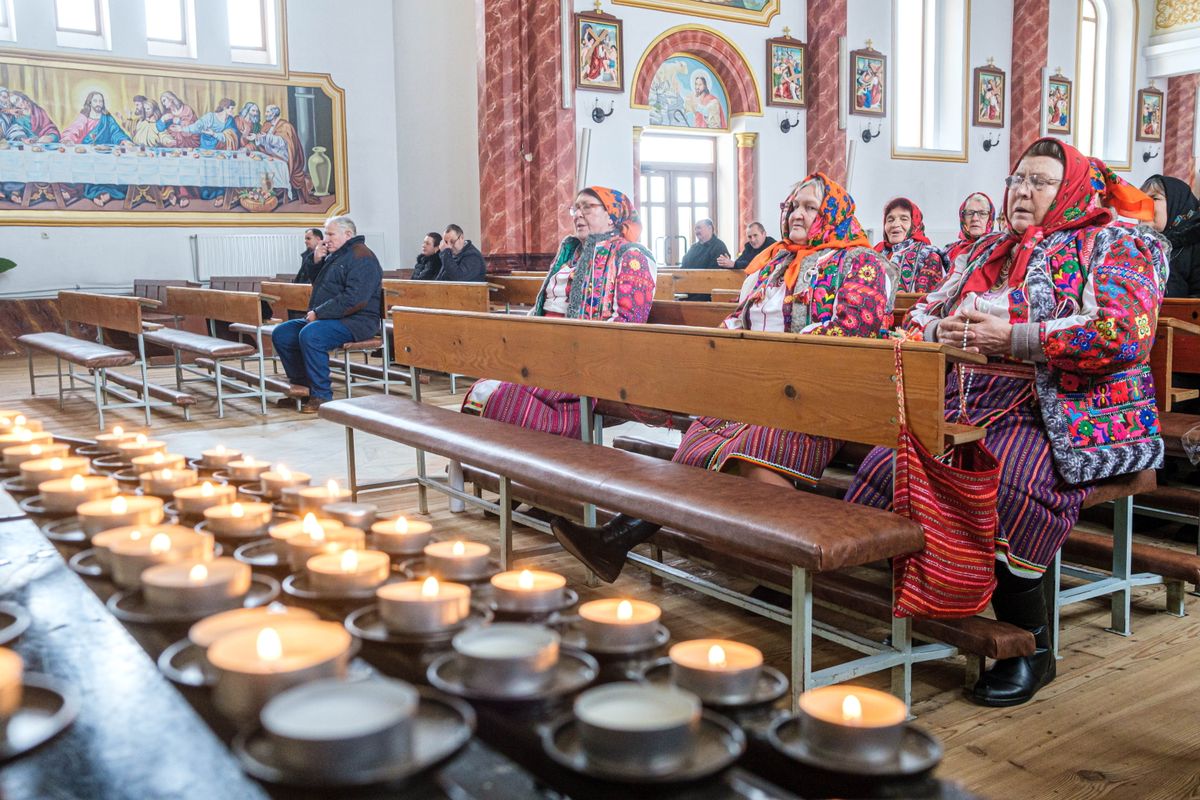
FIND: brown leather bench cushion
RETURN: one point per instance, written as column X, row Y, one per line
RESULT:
column 1183, row 499
column 730, row 513
column 92, row 355
column 1121, row 486
column 241, row 327
column 199, row 343
column 1095, row 550
column 172, row 396
column 367, row 345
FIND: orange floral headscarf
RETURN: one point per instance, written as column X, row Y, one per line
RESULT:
column 621, row 211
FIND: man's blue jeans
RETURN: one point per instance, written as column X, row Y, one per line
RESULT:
column 304, row 347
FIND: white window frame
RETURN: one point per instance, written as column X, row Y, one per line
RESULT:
column 1115, row 86
column 268, row 53
column 8, row 24
column 177, row 49
column 947, row 99
column 98, row 39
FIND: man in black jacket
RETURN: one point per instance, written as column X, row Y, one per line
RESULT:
column 756, row 241
column 429, row 263
column 461, row 260
column 345, row 306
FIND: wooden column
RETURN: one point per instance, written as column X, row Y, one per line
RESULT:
column 826, row 144
column 635, row 189
column 1180, row 128
column 1030, row 42
column 747, row 180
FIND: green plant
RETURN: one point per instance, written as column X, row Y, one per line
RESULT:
column 6, row 264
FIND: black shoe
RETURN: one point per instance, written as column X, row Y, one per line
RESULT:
column 603, row 549
column 285, row 402
column 1013, row 681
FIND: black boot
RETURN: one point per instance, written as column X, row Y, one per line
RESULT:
column 603, row 549
column 1012, row 681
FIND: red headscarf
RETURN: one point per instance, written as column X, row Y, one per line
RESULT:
column 834, row 228
column 620, row 210
column 964, row 241
column 1087, row 191
column 916, row 230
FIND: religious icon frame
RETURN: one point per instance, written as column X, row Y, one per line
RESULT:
column 871, row 56
column 977, row 78
column 581, row 81
column 790, row 43
column 710, row 9
column 1059, row 81
column 1137, row 121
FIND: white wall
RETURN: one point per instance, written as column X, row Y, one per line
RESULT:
column 355, row 48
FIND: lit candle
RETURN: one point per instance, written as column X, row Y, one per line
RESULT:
column 15, row 419
column 219, row 457
column 40, row 470
column 348, row 571
column 401, row 536
column 164, row 482
column 208, row 630
column 457, row 561
column 316, row 537
column 156, row 461
column 427, row 606
column 507, row 658
column 615, row 623
column 718, row 670
column 194, row 500
column 12, row 670
column 255, row 664
column 314, row 498
column 120, row 511
column 17, row 454
column 853, row 722
column 631, row 726
column 352, row 515
column 107, row 442
column 280, row 478
column 238, row 519
column 528, row 591
column 246, row 469
column 25, row 436
column 63, row 495
column 166, row 544
column 139, row 445
column 196, row 586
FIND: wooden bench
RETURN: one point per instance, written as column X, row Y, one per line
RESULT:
column 694, row 313
column 448, row 295
column 726, row 295
column 700, row 281
column 516, row 290
column 1172, row 335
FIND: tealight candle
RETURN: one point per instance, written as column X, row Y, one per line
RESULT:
column 164, row 482
column 238, row 519
column 140, row 445
column 107, row 442
column 616, row 623
column 631, row 726
column 25, row 436
column 40, row 470
column 283, row 531
column 457, row 561
column 528, row 591
column 246, row 469
column 352, row 515
column 348, row 571
column 120, row 511
column 717, row 670
column 401, row 536
column 196, row 586
column 63, row 495
column 219, row 457
column 166, row 544
column 156, row 461
column 317, row 537
column 427, row 606
column 507, row 658
column 208, row 630
column 15, row 419
column 276, row 480
column 12, row 669
column 255, row 664
column 194, row 500
column 853, row 722
column 313, row 498
column 17, row 454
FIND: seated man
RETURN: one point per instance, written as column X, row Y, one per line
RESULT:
column 703, row 254
column 347, row 298
column 461, row 260
column 756, row 241
column 429, row 262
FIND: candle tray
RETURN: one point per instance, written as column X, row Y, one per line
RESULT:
column 15, row 485
column 86, row 564
column 574, row 637
column 575, row 671
column 569, row 598
column 297, row 585
column 127, row 475
column 772, row 685
column 186, row 664
column 367, row 624
column 92, row 451
column 33, row 506
column 14, row 620
column 200, row 467
column 260, row 554
column 442, row 726
column 110, row 463
column 256, row 490
column 131, row 606
column 65, row 530
column 719, row 743
column 415, row 569
column 202, row 527
column 47, row 708
column 223, row 476
column 919, row 752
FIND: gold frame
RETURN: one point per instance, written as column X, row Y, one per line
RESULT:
column 696, row 8
column 215, row 219
column 741, row 54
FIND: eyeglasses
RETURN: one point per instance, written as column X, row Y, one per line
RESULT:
column 582, row 208
column 1036, row 182
column 972, row 214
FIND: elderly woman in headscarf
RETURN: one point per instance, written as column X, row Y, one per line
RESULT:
column 600, row 273
column 1177, row 217
column 1064, row 304
column 822, row 279
column 917, row 262
column 976, row 218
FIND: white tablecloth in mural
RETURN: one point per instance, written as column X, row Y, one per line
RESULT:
column 152, row 168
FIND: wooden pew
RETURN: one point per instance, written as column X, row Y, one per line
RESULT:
column 702, row 281
column 904, row 303
column 696, row 314
column 1172, row 336
column 450, row 295
column 726, row 295
column 517, row 290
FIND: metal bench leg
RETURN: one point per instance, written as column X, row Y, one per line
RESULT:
column 414, row 375
column 1176, row 592
column 506, row 531
column 1122, row 563
column 351, row 470
column 349, row 378
column 262, row 373
column 387, row 361
column 585, row 431
column 802, row 633
column 902, row 673
column 220, row 389
column 178, row 372
column 455, row 478
column 145, row 378
column 97, row 378
column 1054, row 589
column 32, row 380
column 974, row 669
column 58, row 369
column 656, row 553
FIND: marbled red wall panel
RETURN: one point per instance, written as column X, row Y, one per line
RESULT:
column 1180, row 128
column 1030, row 40
column 826, row 144
column 747, row 184
column 733, row 71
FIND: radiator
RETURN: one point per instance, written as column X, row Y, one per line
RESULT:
column 255, row 254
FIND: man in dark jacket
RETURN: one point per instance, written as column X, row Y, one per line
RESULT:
column 346, row 300
column 429, row 263
column 461, row 260
column 707, row 248
column 756, row 241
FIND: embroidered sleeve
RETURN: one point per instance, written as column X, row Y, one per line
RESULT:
column 635, row 286
column 1115, row 325
column 861, row 304
column 930, row 271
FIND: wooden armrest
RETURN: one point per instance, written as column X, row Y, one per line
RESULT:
column 956, row 433
column 150, row 302
column 958, row 354
column 494, row 287
column 1180, row 325
column 270, row 298
column 151, row 326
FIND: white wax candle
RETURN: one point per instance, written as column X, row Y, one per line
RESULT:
column 316, row 538
column 40, row 470
column 619, row 623
column 12, row 670
column 194, row 500
column 140, row 445
column 528, row 590
column 120, row 511
column 401, row 536
column 219, row 457
column 280, row 477
column 623, row 707
column 208, row 630
column 348, row 571
column 157, row 461
column 164, row 482
column 457, row 560
column 108, row 441
column 196, row 586
column 238, row 519
column 25, row 436
column 165, row 544
column 10, row 419
column 314, row 498
column 63, row 495
column 246, row 469
column 334, row 710
column 17, row 454
column 424, row 606
column 854, row 706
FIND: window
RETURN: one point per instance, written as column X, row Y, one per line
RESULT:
column 82, row 23
column 1105, row 67
column 170, row 27
column 252, row 30
column 1090, row 53
column 8, row 31
column 678, row 183
column 929, row 119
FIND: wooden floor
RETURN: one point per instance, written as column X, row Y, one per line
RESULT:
column 1119, row 722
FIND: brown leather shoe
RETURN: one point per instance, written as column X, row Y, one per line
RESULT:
column 312, row 406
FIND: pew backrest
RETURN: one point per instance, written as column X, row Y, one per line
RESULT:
column 157, row 289
column 1186, row 350
column 215, row 304
column 517, row 290
column 702, row 281
column 238, row 283
column 103, row 311
column 449, row 295
column 695, row 313
column 291, row 297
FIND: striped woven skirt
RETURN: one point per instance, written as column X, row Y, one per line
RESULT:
column 527, row 406
column 710, row 443
column 1036, row 508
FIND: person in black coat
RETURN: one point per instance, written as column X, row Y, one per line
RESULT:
column 756, row 241
column 461, row 260
column 309, row 266
column 1177, row 217
column 429, row 262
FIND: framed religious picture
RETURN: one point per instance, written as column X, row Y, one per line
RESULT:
column 787, row 72
column 754, row 12
column 989, row 91
column 599, row 52
column 1058, row 104
column 1149, row 115
column 868, row 82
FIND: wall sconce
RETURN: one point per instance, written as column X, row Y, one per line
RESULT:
column 599, row 114
column 988, row 144
column 1147, row 155
column 786, row 124
column 867, row 135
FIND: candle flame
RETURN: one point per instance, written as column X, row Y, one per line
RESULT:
column 140, row 439
column 161, row 543
column 458, row 549
column 430, row 587
column 332, row 487
column 269, row 645
column 237, row 511
column 167, row 475
column 25, row 435
column 20, row 421
column 198, row 574
column 349, row 560
column 77, row 483
column 119, row 505
column 135, row 534
column 851, row 709
column 56, row 464
column 206, row 489
column 525, row 580
column 401, row 525
column 35, row 449
column 624, row 611
column 283, row 472
column 716, row 656
column 118, row 431
column 158, row 458
column 311, row 526
column 220, row 449
column 5, row 422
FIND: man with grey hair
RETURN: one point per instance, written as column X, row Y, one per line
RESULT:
column 278, row 137
column 346, row 304
column 707, row 248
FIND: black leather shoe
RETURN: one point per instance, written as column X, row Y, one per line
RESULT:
column 1013, row 681
column 603, row 549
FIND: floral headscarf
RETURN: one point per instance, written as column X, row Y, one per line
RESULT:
column 964, row 241
column 916, row 230
column 620, row 210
